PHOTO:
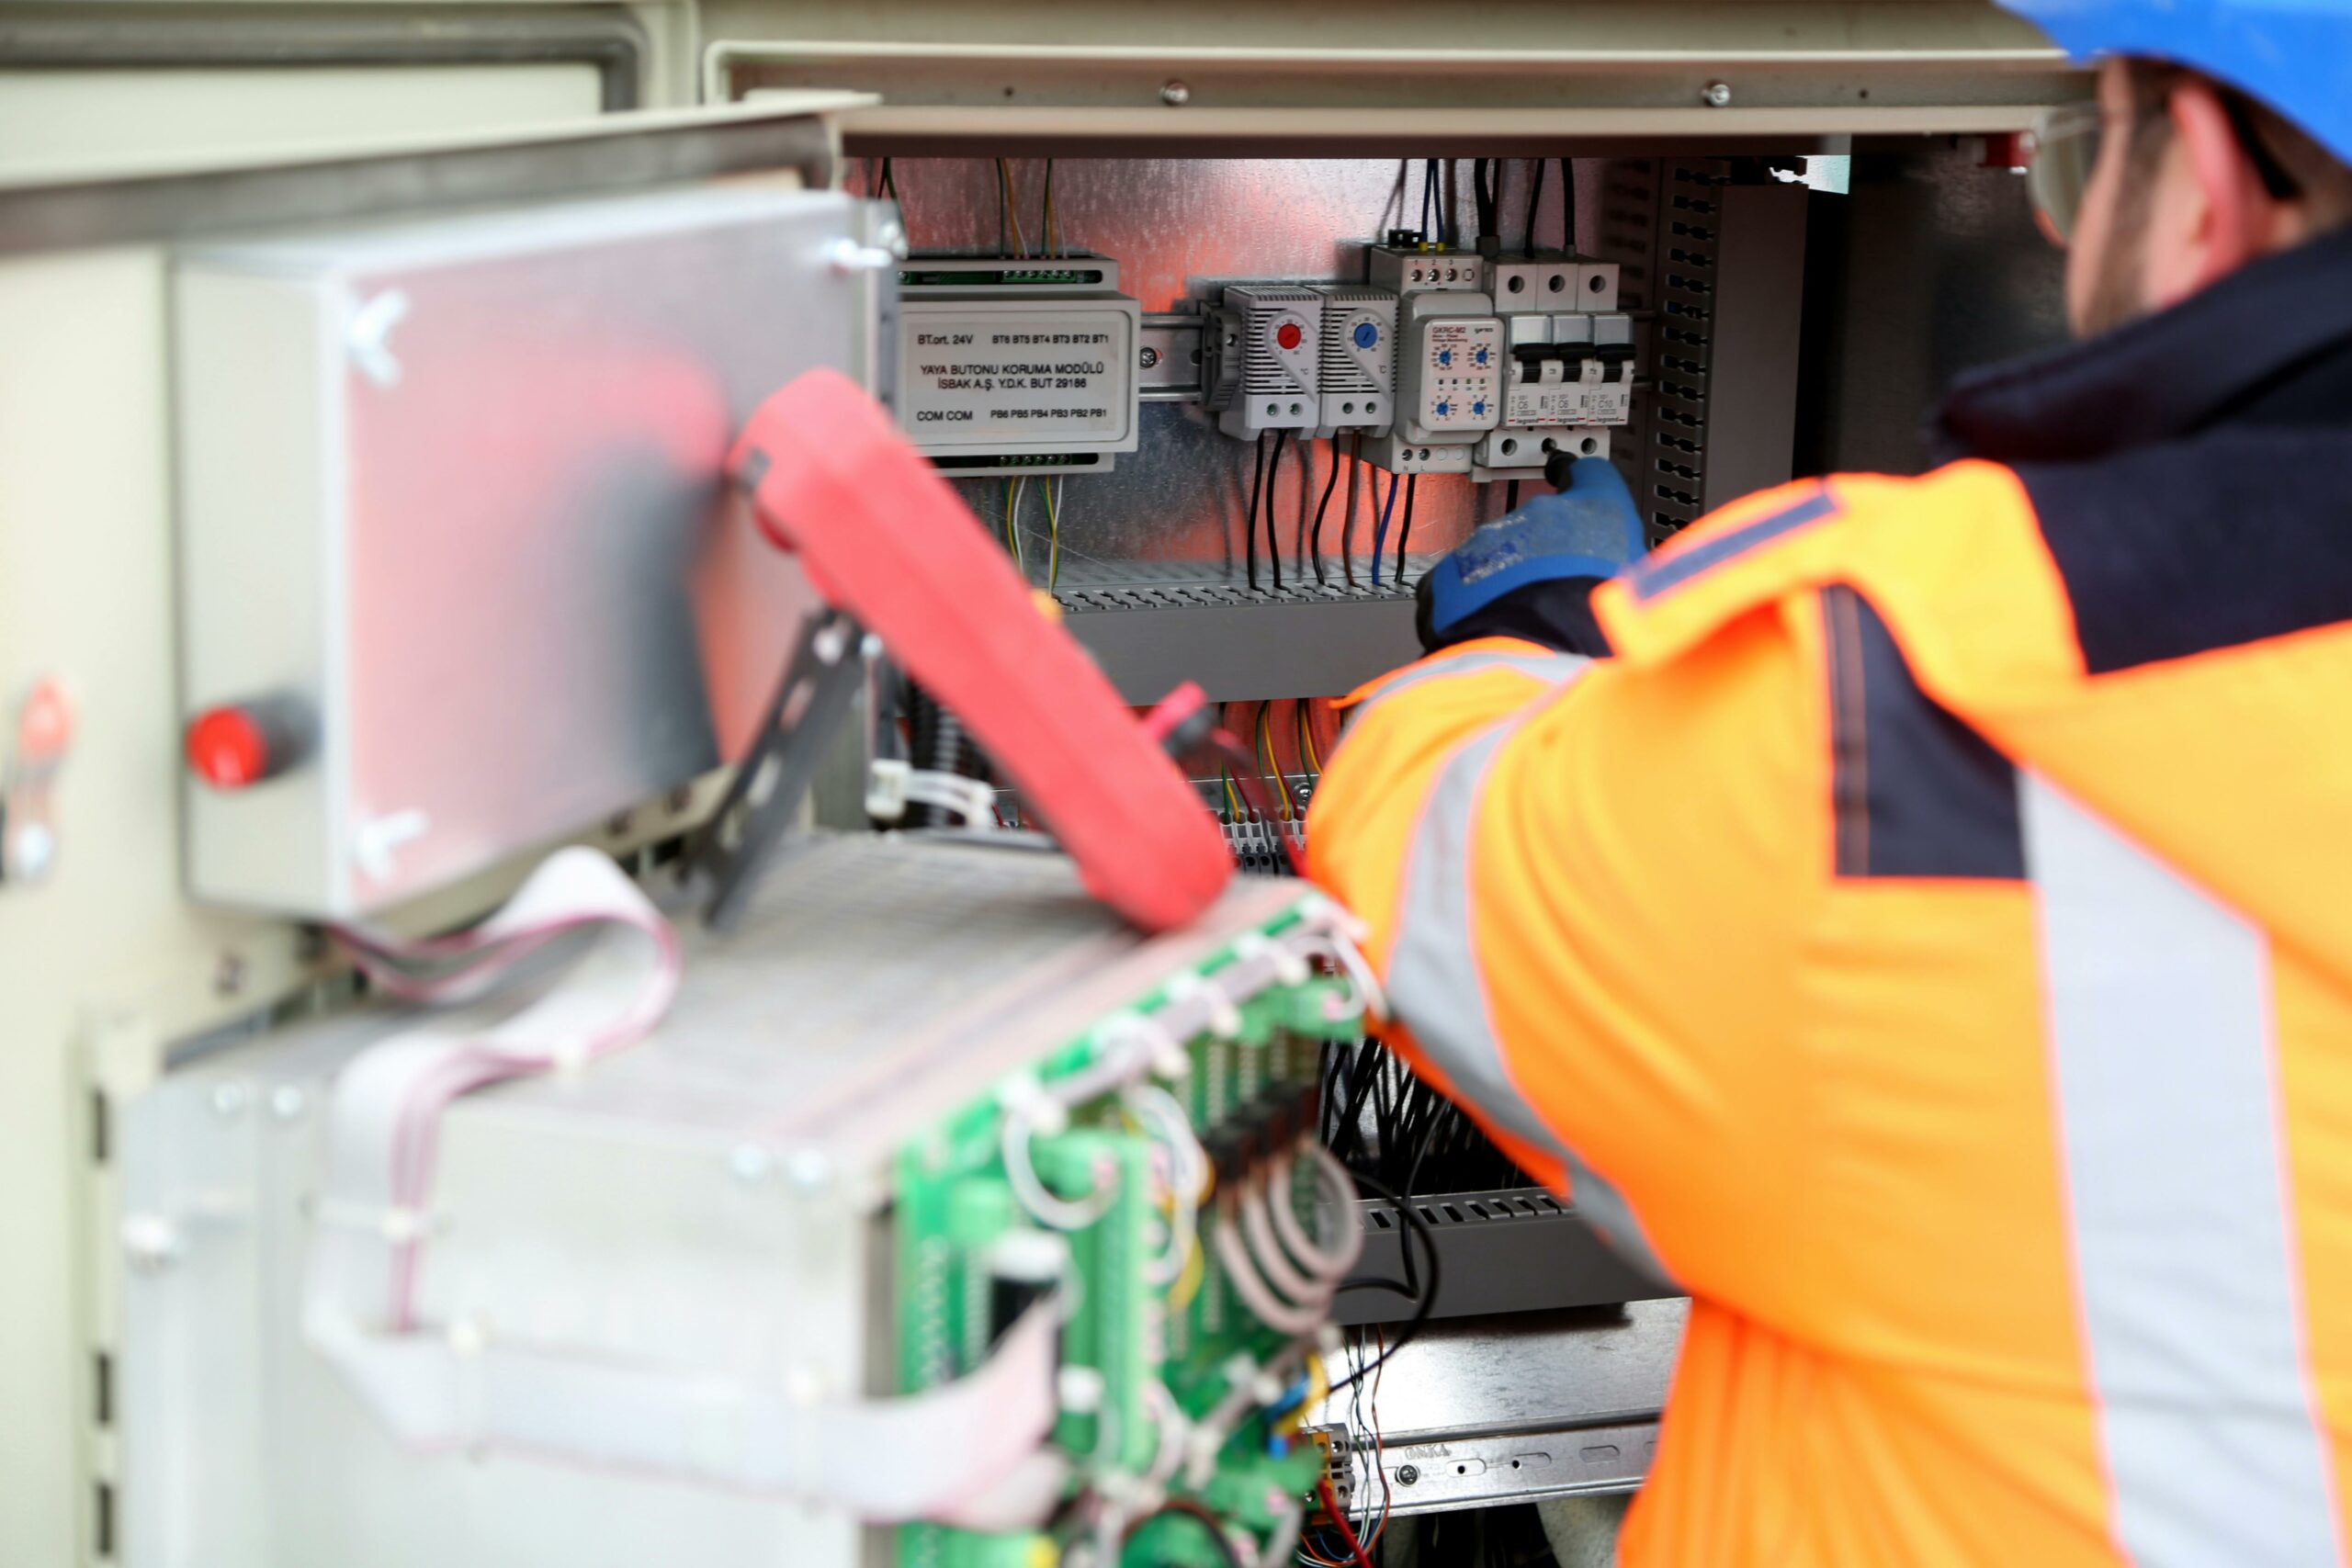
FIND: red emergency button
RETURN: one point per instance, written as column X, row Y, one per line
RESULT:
column 1288, row 334
column 238, row 744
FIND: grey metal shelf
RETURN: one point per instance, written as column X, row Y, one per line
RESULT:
column 1520, row 1250
column 1160, row 622
column 1485, row 1411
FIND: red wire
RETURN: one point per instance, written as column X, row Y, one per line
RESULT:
column 1339, row 1517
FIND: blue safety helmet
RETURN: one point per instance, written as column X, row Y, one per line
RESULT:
column 2294, row 55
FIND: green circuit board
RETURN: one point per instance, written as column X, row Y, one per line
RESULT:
column 1248, row 1086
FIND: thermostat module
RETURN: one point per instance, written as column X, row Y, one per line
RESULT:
column 1018, row 366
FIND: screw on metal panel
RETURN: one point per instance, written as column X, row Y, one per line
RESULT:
column 30, row 852
column 846, row 256
column 749, row 1162
column 286, row 1101
column 1717, row 94
column 810, row 1170
column 1149, row 356
column 150, row 1242
column 367, row 336
column 1175, row 94
column 228, row 975
column 228, row 1099
column 1407, row 1473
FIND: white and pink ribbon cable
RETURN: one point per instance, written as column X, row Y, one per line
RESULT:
column 386, row 1111
column 975, row 1447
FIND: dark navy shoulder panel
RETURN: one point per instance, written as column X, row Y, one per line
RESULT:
column 2185, row 548
column 1915, row 792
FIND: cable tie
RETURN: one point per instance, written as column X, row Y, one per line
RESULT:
column 886, row 789
column 1079, row 1390
column 393, row 1224
column 1290, row 967
column 1224, row 1016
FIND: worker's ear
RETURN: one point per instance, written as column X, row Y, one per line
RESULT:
column 2212, row 214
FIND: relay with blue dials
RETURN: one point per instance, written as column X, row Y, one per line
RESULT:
column 1452, row 358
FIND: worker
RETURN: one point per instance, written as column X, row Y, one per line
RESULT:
column 1922, row 926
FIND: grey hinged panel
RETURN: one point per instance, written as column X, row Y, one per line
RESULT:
column 450, row 490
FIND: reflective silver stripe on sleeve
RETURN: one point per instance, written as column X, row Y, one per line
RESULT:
column 2183, row 1250
column 1435, row 986
column 1555, row 669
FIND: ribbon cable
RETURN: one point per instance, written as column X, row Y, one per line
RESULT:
column 953, row 1450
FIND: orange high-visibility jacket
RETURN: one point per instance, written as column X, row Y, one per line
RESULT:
column 1928, row 938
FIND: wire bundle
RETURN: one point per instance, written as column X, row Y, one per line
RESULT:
column 1287, row 1279
column 1390, row 1126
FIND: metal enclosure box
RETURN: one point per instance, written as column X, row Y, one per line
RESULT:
column 713, row 1201
column 452, row 487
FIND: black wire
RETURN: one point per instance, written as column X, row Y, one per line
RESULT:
column 1257, row 488
column 1419, row 1227
column 1534, row 200
column 1362, row 1074
column 1434, row 195
column 1482, row 185
column 1348, row 526
column 1305, row 461
column 1274, row 483
column 1510, row 498
column 1316, row 538
column 1044, row 206
column 1185, row 1508
column 1426, row 205
column 1568, row 207
column 1405, row 529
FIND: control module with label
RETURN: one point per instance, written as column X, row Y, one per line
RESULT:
column 1018, row 366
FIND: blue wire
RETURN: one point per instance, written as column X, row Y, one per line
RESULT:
column 1380, row 534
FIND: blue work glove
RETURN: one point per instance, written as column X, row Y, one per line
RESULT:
column 1557, row 545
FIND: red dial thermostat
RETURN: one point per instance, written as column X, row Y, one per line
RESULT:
column 1288, row 334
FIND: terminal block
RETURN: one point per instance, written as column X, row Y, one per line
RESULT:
column 1414, row 269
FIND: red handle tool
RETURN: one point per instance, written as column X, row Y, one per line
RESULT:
column 885, row 539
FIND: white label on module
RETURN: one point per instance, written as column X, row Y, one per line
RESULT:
column 1603, row 401
column 1551, row 400
column 987, row 378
